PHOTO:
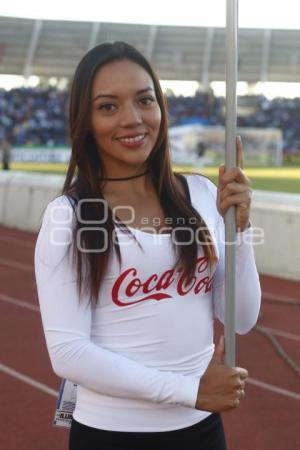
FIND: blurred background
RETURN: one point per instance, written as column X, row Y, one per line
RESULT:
column 41, row 44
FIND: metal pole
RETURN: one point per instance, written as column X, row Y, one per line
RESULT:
column 230, row 161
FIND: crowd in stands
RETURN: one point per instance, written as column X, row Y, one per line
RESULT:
column 38, row 117
column 277, row 113
column 34, row 116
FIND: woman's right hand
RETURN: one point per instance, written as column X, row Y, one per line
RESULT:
column 221, row 387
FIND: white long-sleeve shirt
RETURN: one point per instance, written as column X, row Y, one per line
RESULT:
column 138, row 356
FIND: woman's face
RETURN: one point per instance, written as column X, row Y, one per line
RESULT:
column 125, row 116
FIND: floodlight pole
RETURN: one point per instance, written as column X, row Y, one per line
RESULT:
column 230, row 161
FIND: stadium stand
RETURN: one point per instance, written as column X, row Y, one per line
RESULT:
column 36, row 116
column 50, row 48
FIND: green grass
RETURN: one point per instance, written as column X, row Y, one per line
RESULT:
column 52, row 168
column 272, row 184
column 279, row 185
column 291, row 160
column 281, row 179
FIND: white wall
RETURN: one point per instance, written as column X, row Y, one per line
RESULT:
column 23, row 197
column 278, row 214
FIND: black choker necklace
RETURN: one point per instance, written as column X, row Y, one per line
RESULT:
column 126, row 178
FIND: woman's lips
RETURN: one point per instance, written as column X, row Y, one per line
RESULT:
column 133, row 141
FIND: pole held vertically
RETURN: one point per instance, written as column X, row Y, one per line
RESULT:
column 230, row 161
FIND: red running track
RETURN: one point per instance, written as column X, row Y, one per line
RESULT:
column 268, row 419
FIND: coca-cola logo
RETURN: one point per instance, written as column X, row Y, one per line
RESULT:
column 155, row 287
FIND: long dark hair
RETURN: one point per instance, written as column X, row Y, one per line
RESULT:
column 85, row 168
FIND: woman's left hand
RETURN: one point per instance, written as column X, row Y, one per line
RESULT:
column 234, row 190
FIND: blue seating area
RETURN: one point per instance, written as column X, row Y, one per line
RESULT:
column 38, row 117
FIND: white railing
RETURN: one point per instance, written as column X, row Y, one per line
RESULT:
column 24, row 196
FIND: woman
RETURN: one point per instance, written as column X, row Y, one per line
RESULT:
column 6, row 151
column 130, row 270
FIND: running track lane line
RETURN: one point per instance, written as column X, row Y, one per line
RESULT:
column 24, row 304
column 25, row 378
column 28, row 380
column 17, row 302
column 284, row 334
column 271, row 387
column 44, row 388
column 279, row 298
column 16, row 265
column 30, row 268
column 16, row 241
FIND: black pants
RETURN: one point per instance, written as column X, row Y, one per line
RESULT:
column 205, row 435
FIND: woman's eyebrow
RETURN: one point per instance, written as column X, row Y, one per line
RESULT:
column 139, row 92
column 142, row 91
